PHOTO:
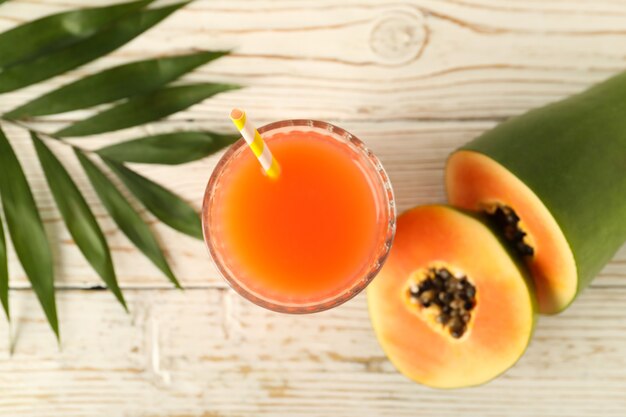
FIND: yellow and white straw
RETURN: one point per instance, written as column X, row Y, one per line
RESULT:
column 256, row 142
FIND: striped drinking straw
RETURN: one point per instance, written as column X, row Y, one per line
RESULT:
column 256, row 143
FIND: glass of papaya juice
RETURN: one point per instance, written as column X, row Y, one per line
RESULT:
column 313, row 237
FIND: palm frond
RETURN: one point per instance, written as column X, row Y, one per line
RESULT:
column 123, row 213
column 113, row 84
column 146, row 108
column 4, row 273
column 42, row 36
column 136, row 93
column 168, row 148
column 78, row 217
column 165, row 205
column 26, row 230
column 59, row 61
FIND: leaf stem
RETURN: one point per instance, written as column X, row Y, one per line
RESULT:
column 44, row 134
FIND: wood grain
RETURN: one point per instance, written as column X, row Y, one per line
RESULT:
column 414, row 80
column 207, row 352
column 413, row 153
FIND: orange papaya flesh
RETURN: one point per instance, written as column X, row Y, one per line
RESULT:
column 437, row 238
column 476, row 182
column 562, row 170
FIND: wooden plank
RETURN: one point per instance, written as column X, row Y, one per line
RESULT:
column 414, row 157
column 381, row 60
column 207, row 352
column 414, row 154
column 414, row 79
column 411, row 113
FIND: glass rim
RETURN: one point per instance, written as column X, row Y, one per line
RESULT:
column 360, row 283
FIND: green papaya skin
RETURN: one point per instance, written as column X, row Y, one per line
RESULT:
column 572, row 155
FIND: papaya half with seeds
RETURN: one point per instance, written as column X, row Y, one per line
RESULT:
column 450, row 307
column 554, row 179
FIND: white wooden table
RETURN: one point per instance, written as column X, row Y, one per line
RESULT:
column 414, row 79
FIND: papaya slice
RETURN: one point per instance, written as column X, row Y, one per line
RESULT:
column 445, row 262
column 558, row 174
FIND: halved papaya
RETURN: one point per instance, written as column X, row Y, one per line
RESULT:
column 554, row 179
column 450, row 307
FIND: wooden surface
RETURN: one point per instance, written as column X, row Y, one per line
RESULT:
column 414, row 80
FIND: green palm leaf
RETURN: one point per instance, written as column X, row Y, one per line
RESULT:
column 125, row 216
column 43, row 35
column 165, row 205
column 139, row 92
column 4, row 273
column 113, row 84
column 78, row 218
column 143, row 109
column 26, row 230
column 169, row 148
column 61, row 60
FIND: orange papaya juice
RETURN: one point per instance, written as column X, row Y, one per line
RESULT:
column 309, row 239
